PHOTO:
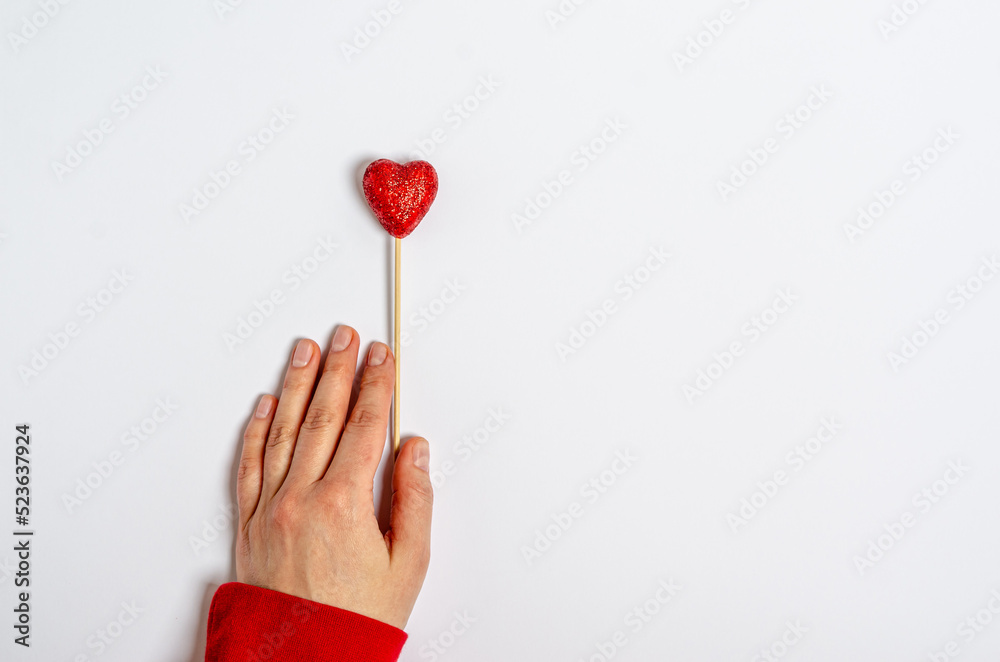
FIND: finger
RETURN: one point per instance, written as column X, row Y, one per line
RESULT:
column 363, row 441
column 324, row 419
column 409, row 535
column 250, row 473
column 291, row 409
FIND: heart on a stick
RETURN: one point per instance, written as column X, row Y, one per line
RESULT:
column 400, row 195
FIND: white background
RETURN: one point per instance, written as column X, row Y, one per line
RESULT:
column 135, row 538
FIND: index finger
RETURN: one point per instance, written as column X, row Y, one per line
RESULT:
column 363, row 442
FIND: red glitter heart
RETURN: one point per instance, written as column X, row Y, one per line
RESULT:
column 400, row 195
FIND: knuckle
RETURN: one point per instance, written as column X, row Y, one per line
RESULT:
column 252, row 433
column 285, row 512
column 280, row 435
column 340, row 370
column 365, row 418
column 296, row 384
column 378, row 378
column 415, row 494
column 423, row 492
column 247, row 468
column 318, row 419
column 338, row 499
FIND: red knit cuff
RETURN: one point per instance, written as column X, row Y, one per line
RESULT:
column 251, row 624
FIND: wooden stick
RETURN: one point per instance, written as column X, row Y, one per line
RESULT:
column 396, row 349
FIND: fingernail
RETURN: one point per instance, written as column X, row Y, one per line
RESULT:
column 341, row 339
column 303, row 352
column 421, row 454
column 263, row 407
column 377, row 354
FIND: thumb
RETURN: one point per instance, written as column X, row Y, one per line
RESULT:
column 409, row 533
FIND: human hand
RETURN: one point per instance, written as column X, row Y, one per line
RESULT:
column 307, row 523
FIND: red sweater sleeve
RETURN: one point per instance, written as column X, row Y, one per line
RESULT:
column 251, row 624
